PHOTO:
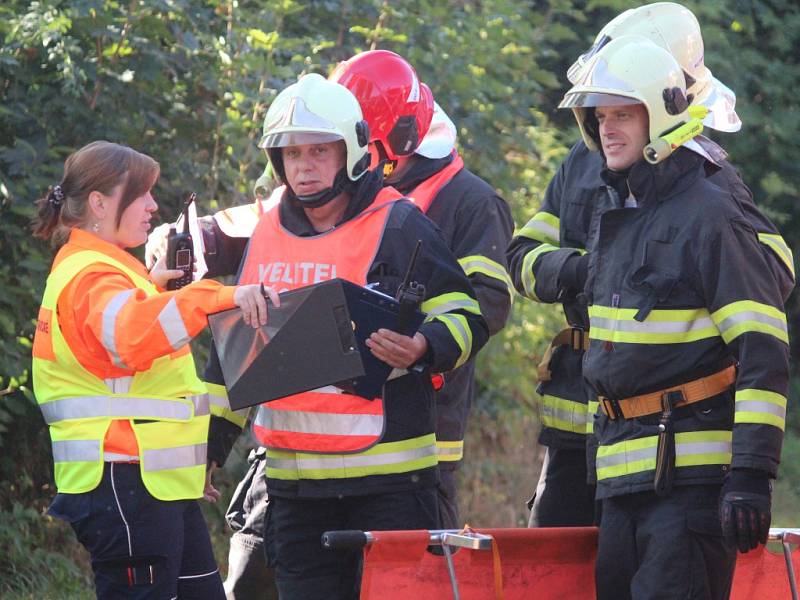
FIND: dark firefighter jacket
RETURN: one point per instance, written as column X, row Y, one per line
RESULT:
column 679, row 288
column 573, row 202
column 477, row 225
column 409, row 402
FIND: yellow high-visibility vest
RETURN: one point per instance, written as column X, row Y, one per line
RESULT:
column 167, row 404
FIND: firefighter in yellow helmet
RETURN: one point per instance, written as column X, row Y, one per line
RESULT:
column 548, row 259
column 688, row 351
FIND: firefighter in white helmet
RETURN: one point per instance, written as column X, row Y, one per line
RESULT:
column 548, row 259
column 336, row 460
column 688, row 351
column 674, row 28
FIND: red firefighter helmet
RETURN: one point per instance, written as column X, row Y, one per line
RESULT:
column 397, row 106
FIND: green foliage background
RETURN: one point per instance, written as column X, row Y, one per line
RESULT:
column 188, row 82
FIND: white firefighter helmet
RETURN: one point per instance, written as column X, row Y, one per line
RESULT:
column 630, row 70
column 312, row 111
column 676, row 29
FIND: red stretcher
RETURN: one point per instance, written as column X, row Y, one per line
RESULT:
column 517, row 564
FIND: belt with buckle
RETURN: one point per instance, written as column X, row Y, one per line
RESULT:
column 688, row 393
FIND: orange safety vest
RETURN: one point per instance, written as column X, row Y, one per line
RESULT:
column 323, row 420
column 424, row 194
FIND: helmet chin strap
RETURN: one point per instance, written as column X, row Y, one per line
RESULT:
column 322, row 197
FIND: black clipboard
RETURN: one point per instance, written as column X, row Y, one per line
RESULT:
column 314, row 339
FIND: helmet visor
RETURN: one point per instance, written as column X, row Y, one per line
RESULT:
column 297, row 124
column 588, row 99
column 283, row 139
column 575, row 71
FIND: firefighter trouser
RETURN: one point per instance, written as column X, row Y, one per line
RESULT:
column 249, row 576
column 665, row 548
column 562, row 498
column 141, row 547
column 449, row 515
column 304, row 569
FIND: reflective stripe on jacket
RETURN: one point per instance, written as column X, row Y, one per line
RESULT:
column 477, row 225
column 680, row 287
column 566, row 224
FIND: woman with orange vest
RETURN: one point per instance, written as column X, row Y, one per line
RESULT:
column 114, row 377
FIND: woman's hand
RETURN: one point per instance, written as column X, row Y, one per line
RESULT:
column 397, row 350
column 160, row 274
column 251, row 299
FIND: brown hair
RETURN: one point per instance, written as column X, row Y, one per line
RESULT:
column 99, row 166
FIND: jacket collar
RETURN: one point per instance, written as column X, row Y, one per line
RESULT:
column 660, row 182
column 363, row 192
column 84, row 240
column 422, row 169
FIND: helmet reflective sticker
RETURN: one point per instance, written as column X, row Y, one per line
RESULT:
column 298, row 115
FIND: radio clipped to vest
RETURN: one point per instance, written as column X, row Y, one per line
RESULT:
column 180, row 249
column 410, row 295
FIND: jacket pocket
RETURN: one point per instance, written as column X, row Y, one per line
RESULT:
column 654, row 286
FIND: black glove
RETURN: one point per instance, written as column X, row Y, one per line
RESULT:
column 745, row 508
column 574, row 272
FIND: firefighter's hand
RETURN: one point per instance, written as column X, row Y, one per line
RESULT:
column 160, row 274
column 210, row 493
column 745, row 509
column 397, row 350
column 156, row 246
column 252, row 300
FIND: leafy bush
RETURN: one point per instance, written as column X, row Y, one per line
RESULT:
column 39, row 558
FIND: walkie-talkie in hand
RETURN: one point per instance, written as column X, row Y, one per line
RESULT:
column 180, row 250
column 410, row 295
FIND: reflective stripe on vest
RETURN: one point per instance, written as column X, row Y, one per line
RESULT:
column 562, row 414
column 450, row 451
column 694, row 448
column 320, row 423
column 176, row 457
column 79, row 407
column 425, row 193
column 382, row 459
column 88, row 407
column 320, row 420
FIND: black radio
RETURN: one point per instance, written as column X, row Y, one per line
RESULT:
column 180, row 250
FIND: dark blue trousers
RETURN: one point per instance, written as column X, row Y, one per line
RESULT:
column 141, row 548
column 668, row 548
column 307, row 571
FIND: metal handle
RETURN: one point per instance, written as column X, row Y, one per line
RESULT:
column 787, row 537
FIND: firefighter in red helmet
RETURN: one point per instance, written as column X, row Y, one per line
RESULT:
column 396, row 104
column 415, row 141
